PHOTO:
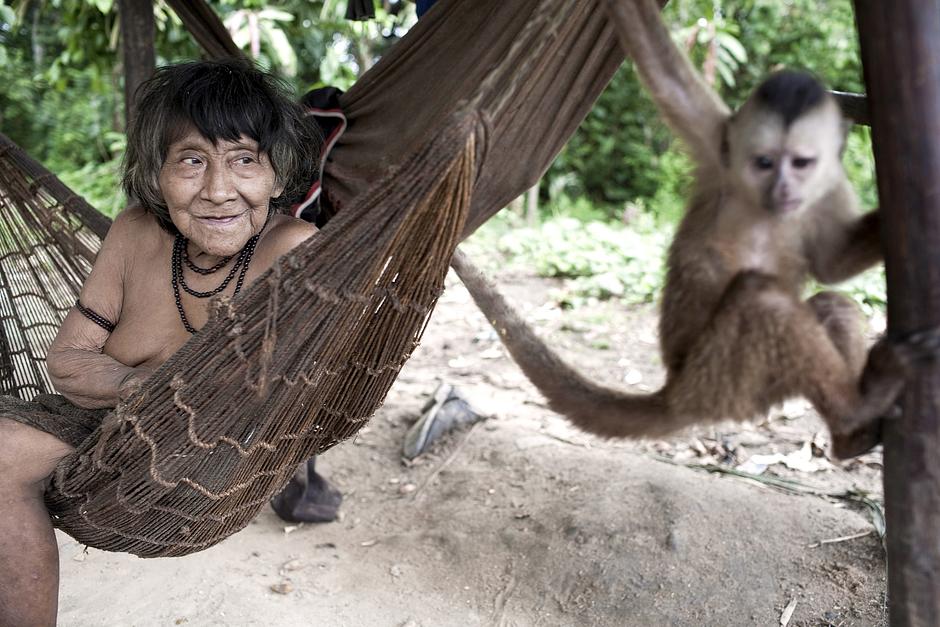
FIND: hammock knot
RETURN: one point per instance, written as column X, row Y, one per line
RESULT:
column 109, row 426
column 177, row 383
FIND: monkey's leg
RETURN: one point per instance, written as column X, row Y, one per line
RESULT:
column 762, row 346
column 842, row 319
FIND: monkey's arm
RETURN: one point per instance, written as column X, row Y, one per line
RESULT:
column 691, row 108
column 842, row 251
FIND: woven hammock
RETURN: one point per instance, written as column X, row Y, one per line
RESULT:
column 480, row 95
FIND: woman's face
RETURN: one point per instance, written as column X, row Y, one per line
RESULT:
column 217, row 194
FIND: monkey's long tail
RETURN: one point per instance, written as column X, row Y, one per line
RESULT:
column 594, row 408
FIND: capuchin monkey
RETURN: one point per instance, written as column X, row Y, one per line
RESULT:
column 771, row 207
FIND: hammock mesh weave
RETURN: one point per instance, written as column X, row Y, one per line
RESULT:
column 481, row 94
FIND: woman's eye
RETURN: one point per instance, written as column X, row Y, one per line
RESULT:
column 192, row 160
column 246, row 160
column 802, row 162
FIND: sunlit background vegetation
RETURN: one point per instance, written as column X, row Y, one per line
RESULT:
column 606, row 207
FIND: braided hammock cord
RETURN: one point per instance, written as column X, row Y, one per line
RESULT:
column 303, row 357
column 48, row 241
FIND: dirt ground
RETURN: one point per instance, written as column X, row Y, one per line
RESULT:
column 522, row 520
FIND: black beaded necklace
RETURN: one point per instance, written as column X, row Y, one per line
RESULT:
column 181, row 257
column 203, row 271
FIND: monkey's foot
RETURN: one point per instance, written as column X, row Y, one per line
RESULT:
column 444, row 412
column 890, row 364
column 312, row 499
column 857, row 442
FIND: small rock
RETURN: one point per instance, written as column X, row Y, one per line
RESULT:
column 395, row 570
column 284, row 587
column 633, row 377
column 673, row 541
column 407, row 488
column 292, row 565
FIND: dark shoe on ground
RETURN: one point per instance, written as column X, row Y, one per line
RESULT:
column 309, row 497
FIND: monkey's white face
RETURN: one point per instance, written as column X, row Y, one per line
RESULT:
column 786, row 169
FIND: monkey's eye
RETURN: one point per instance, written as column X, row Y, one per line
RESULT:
column 802, row 162
column 763, row 162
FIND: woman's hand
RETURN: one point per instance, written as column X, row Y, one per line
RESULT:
column 133, row 381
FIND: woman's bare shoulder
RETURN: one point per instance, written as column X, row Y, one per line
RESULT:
column 284, row 234
column 134, row 226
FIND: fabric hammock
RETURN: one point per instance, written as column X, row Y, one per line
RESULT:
column 481, row 94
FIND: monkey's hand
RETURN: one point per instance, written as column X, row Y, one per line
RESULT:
column 890, row 365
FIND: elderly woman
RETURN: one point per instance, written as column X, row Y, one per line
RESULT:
column 215, row 150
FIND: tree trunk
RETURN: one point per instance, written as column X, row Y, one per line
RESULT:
column 900, row 44
column 137, row 36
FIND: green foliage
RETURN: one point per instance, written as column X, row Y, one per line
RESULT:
column 601, row 260
column 869, row 290
column 99, row 184
column 860, row 167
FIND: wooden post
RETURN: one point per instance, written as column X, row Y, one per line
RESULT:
column 137, row 36
column 900, row 43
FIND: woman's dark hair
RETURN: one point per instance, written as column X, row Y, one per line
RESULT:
column 222, row 100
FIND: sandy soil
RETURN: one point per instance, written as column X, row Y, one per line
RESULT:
column 521, row 520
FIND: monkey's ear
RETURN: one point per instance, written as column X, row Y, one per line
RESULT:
column 725, row 148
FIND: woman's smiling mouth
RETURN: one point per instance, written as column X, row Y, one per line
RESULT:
column 219, row 220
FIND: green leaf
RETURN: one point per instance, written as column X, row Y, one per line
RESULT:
column 7, row 15
column 732, row 46
column 275, row 15
column 283, row 51
column 104, row 6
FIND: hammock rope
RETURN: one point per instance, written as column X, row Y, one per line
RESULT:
column 48, row 241
column 301, row 359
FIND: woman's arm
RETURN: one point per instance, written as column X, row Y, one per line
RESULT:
column 79, row 370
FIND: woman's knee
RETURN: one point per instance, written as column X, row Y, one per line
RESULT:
column 27, row 455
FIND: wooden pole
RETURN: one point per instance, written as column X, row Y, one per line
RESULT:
column 900, row 43
column 137, row 37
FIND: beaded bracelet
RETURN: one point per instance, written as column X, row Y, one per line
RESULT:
column 95, row 317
